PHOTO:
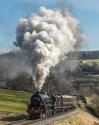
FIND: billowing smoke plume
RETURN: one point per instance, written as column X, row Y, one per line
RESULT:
column 48, row 37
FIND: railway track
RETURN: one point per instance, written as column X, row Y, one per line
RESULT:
column 46, row 121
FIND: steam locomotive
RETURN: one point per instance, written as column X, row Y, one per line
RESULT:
column 43, row 105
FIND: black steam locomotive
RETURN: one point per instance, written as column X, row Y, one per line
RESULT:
column 44, row 105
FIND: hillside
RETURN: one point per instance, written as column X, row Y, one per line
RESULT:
column 14, row 64
column 82, row 118
column 13, row 101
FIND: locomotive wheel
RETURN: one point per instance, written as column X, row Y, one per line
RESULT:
column 54, row 113
column 41, row 115
column 48, row 113
column 30, row 116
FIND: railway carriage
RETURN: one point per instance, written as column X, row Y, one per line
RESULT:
column 68, row 102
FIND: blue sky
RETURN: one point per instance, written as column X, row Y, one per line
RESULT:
column 87, row 11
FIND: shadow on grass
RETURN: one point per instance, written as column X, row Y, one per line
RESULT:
column 14, row 118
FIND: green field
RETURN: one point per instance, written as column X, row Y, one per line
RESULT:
column 13, row 101
column 91, row 61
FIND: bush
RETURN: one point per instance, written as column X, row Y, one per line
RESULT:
column 94, row 106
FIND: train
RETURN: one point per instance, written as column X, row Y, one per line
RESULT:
column 43, row 105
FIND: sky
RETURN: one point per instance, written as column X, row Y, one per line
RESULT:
column 86, row 11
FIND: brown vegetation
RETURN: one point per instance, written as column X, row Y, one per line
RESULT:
column 82, row 118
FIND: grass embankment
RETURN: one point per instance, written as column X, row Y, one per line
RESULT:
column 93, row 105
column 82, row 118
column 13, row 101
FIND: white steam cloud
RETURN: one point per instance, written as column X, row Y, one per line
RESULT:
column 48, row 37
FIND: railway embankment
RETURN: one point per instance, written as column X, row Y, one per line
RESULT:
column 79, row 118
column 75, row 117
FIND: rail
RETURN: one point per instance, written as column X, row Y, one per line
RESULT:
column 20, row 120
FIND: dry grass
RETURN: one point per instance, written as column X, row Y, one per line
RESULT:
column 82, row 118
